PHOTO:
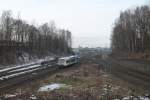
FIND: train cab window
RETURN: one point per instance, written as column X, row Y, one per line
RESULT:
column 67, row 61
column 61, row 61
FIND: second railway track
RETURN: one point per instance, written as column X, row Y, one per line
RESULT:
column 125, row 72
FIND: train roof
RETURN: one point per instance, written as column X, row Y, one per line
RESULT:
column 69, row 57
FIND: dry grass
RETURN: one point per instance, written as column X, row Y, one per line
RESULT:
column 87, row 82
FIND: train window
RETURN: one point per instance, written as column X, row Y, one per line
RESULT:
column 67, row 61
column 61, row 60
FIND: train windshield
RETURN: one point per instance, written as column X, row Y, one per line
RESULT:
column 61, row 61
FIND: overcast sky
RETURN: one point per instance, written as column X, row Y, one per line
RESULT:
column 90, row 21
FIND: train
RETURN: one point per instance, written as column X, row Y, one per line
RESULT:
column 69, row 60
column 49, row 61
column 62, row 61
column 33, row 69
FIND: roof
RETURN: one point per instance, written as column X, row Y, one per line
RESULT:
column 69, row 57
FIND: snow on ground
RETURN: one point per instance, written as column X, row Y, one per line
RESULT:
column 18, row 66
column 30, row 67
column 38, row 61
column 16, row 74
column 135, row 98
column 33, row 97
column 9, row 96
column 52, row 87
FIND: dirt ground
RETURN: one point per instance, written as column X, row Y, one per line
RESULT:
column 84, row 81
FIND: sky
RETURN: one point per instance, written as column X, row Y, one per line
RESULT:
column 90, row 21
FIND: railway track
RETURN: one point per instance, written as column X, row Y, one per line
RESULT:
column 136, row 77
column 131, row 73
column 15, row 75
column 6, row 71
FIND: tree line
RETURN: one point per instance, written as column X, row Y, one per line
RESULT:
column 18, row 36
column 131, row 31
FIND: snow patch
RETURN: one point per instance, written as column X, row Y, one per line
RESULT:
column 33, row 97
column 9, row 96
column 51, row 87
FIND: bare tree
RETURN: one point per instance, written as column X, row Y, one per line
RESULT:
column 131, row 32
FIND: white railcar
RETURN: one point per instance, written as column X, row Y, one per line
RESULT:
column 66, row 61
